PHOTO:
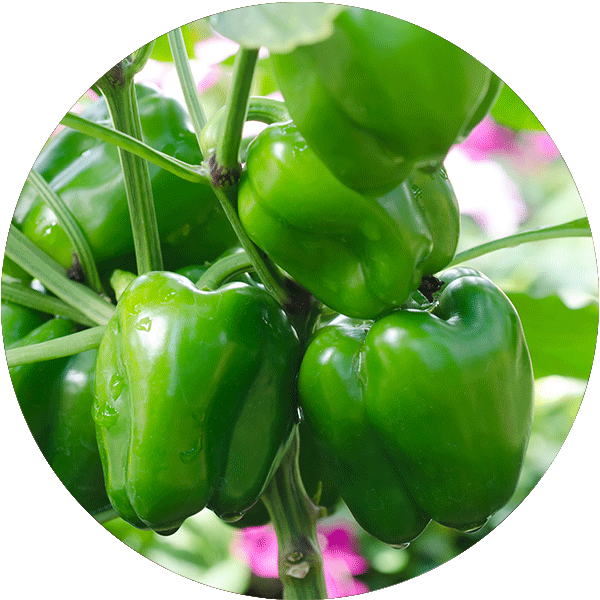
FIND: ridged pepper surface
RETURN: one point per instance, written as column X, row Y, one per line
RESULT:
column 424, row 415
column 381, row 95
column 72, row 451
column 359, row 255
column 195, row 399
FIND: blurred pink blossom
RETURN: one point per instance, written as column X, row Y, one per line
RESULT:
column 526, row 150
column 489, row 138
column 257, row 546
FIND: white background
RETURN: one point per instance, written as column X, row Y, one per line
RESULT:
column 52, row 52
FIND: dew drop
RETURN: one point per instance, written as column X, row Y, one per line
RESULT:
column 105, row 415
column 295, row 557
column 474, row 527
column 144, row 324
column 137, row 309
column 188, row 456
column 400, row 546
column 298, row 570
column 231, row 517
column 116, row 385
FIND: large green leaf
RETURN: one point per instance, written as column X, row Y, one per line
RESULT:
column 510, row 111
column 280, row 27
column 561, row 340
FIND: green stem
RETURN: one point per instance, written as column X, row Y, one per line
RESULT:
column 193, row 173
column 267, row 110
column 71, row 227
column 227, row 167
column 294, row 517
column 37, row 263
column 139, row 58
column 224, row 270
column 57, row 348
column 119, row 90
column 267, row 272
column 263, row 110
column 119, row 280
column 186, row 79
column 26, row 296
column 576, row 228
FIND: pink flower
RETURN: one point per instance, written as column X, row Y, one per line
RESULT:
column 526, row 150
column 489, row 138
column 257, row 546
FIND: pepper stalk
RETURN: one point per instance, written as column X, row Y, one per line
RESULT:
column 118, row 88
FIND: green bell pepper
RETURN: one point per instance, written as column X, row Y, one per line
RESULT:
column 86, row 173
column 195, row 399
column 424, row 415
column 380, row 96
column 359, row 255
column 73, row 452
column 34, row 382
column 18, row 321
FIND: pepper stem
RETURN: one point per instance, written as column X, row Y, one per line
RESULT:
column 228, row 146
column 294, row 517
column 118, row 88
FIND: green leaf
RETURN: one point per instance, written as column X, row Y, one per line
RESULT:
column 510, row 111
column 561, row 340
column 280, row 27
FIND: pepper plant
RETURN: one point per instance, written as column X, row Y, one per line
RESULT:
column 263, row 326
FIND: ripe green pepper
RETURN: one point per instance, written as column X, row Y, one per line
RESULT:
column 34, row 382
column 86, row 173
column 73, row 451
column 195, row 399
column 18, row 321
column 359, row 255
column 424, row 415
column 380, row 96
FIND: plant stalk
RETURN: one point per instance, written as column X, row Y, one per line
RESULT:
column 228, row 145
column 294, row 517
column 118, row 88
column 186, row 79
column 576, row 228
column 26, row 296
column 71, row 226
column 57, row 348
column 193, row 173
column 37, row 263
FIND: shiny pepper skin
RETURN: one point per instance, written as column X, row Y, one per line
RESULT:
column 424, row 415
column 34, row 382
column 18, row 321
column 73, row 451
column 359, row 255
column 195, row 399
column 381, row 96
column 86, row 173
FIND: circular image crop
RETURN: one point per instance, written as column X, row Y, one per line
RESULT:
column 299, row 300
